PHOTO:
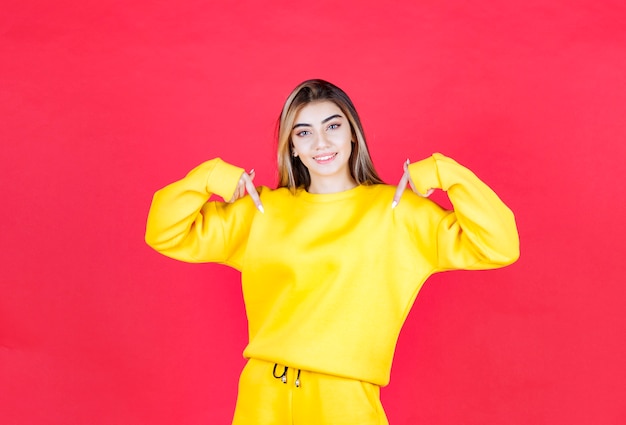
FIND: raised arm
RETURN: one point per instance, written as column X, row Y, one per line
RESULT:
column 183, row 225
column 481, row 232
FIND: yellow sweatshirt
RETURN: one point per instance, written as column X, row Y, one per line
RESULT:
column 328, row 279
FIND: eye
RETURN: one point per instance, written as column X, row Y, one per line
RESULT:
column 303, row 133
column 334, row 126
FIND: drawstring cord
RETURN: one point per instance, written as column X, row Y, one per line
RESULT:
column 283, row 376
column 298, row 379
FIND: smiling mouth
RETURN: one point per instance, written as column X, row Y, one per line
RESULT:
column 325, row 157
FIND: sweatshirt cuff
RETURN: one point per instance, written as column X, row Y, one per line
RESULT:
column 424, row 173
column 223, row 179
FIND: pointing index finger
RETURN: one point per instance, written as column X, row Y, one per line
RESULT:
column 400, row 189
column 254, row 194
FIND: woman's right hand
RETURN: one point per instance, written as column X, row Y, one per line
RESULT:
column 246, row 185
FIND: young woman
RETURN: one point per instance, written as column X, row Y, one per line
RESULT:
column 331, row 260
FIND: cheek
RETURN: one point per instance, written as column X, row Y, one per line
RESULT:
column 346, row 140
column 297, row 146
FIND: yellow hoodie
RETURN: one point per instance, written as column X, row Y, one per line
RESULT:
column 328, row 279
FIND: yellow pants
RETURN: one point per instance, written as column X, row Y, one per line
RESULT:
column 272, row 395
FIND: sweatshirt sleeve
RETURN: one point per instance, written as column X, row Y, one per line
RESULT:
column 481, row 232
column 182, row 224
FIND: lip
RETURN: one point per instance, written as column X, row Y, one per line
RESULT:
column 325, row 157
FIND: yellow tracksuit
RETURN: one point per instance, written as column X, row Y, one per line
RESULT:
column 328, row 279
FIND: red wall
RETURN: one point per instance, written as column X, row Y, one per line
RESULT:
column 103, row 102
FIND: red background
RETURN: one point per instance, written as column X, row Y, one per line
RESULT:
column 103, row 102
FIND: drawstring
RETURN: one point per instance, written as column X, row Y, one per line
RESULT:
column 298, row 379
column 283, row 377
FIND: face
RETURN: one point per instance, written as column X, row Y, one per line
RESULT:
column 322, row 139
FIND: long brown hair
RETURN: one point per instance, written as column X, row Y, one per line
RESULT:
column 291, row 171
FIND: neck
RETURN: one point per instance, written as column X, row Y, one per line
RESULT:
column 320, row 186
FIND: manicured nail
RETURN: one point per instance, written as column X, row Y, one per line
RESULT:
column 260, row 208
column 251, row 171
column 393, row 204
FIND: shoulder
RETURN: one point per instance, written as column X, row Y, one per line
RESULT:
column 281, row 192
column 411, row 206
column 278, row 195
column 385, row 191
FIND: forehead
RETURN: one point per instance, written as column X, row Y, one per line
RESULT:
column 315, row 112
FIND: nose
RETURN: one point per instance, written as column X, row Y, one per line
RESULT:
column 321, row 141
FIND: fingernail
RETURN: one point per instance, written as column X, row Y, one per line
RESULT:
column 393, row 204
column 408, row 162
column 260, row 207
column 251, row 171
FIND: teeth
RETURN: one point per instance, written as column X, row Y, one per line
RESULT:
column 324, row 158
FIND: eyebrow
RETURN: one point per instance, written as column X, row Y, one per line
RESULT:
column 324, row 121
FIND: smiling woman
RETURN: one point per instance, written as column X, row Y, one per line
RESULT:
column 324, row 147
column 304, row 108
column 325, row 305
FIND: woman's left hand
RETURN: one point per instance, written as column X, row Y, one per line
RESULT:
column 406, row 179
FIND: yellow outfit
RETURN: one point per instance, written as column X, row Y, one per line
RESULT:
column 328, row 279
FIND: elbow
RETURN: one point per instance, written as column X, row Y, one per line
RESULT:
column 151, row 239
column 513, row 249
column 509, row 247
column 509, row 250
column 502, row 250
column 511, row 255
column 154, row 238
column 500, row 256
column 151, row 235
